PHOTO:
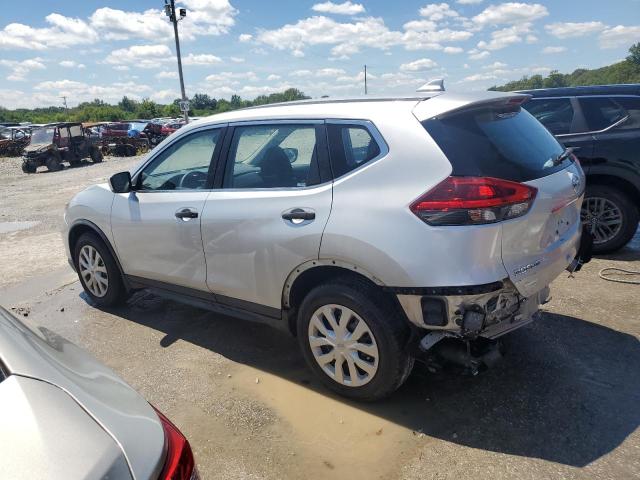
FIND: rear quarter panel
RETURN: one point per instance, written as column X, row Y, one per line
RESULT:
column 371, row 225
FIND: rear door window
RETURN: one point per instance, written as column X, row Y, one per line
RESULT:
column 554, row 113
column 507, row 144
column 350, row 146
column 632, row 107
column 601, row 112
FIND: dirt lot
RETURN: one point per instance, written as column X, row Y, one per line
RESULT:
column 565, row 403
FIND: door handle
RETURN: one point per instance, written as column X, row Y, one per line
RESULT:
column 186, row 214
column 298, row 215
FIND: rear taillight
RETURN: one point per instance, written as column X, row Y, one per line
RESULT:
column 179, row 463
column 473, row 201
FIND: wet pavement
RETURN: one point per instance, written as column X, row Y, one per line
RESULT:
column 564, row 403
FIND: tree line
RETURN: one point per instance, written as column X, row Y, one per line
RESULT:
column 201, row 104
column 627, row 71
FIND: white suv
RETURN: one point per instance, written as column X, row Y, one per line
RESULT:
column 372, row 229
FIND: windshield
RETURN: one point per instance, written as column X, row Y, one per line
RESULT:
column 5, row 133
column 507, row 144
column 42, row 135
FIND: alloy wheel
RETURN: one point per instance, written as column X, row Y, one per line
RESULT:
column 93, row 271
column 343, row 345
column 602, row 217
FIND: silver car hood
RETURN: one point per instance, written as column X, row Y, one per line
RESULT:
column 41, row 354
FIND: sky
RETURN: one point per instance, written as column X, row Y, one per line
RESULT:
column 106, row 49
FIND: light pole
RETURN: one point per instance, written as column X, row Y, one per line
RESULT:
column 170, row 11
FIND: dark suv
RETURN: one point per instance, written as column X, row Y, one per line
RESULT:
column 603, row 123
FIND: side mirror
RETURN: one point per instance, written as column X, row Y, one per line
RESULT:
column 120, row 182
column 291, row 153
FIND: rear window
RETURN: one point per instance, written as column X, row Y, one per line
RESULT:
column 511, row 144
column 350, row 147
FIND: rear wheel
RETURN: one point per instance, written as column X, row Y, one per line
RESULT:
column 54, row 162
column 354, row 340
column 98, row 271
column 611, row 217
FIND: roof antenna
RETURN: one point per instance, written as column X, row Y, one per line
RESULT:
column 436, row 85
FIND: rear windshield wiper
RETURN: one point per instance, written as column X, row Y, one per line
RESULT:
column 564, row 155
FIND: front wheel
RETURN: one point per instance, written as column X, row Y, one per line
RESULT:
column 29, row 166
column 354, row 340
column 96, row 155
column 54, row 162
column 611, row 217
column 98, row 271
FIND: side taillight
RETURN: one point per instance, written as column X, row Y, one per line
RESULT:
column 179, row 463
column 473, row 201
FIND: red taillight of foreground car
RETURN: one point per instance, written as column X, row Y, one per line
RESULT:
column 179, row 463
column 473, row 201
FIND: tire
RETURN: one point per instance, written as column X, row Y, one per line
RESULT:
column 617, row 206
column 387, row 338
column 54, row 162
column 109, row 295
column 96, row 155
column 29, row 166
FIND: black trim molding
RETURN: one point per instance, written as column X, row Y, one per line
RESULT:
column 446, row 291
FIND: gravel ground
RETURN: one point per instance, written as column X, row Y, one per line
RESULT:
column 564, row 403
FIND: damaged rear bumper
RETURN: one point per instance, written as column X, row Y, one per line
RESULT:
column 487, row 311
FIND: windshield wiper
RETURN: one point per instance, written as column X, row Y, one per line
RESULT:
column 564, row 155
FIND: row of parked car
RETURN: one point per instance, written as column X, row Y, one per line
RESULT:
column 51, row 145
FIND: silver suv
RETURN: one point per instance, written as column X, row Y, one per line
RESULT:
column 374, row 229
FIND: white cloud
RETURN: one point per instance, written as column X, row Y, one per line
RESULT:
column 322, row 72
column 229, row 78
column 507, row 36
column 510, row 13
column 48, row 93
column 245, row 37
column 237, row 59
column 564, row 30
column 619, row 36
column 345, row 8
column 495, row 65
column 453, row 50
column 204, row 17
column 201, row 59
column 551, row 50
column 166, row 75
column 476, row 54
column 468, row 2
column 20, row 69
column 164, row 96
column 143, row 56
column 348, row 38
column 64, row 32
column 121, row 25
column 437, row 12
column 71, row 64
column 479, row 77
column 121, row 68
column 418, row 65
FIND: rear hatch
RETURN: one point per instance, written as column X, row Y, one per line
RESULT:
column 499, row 140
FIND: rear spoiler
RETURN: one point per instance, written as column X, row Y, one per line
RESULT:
column 449, row 104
